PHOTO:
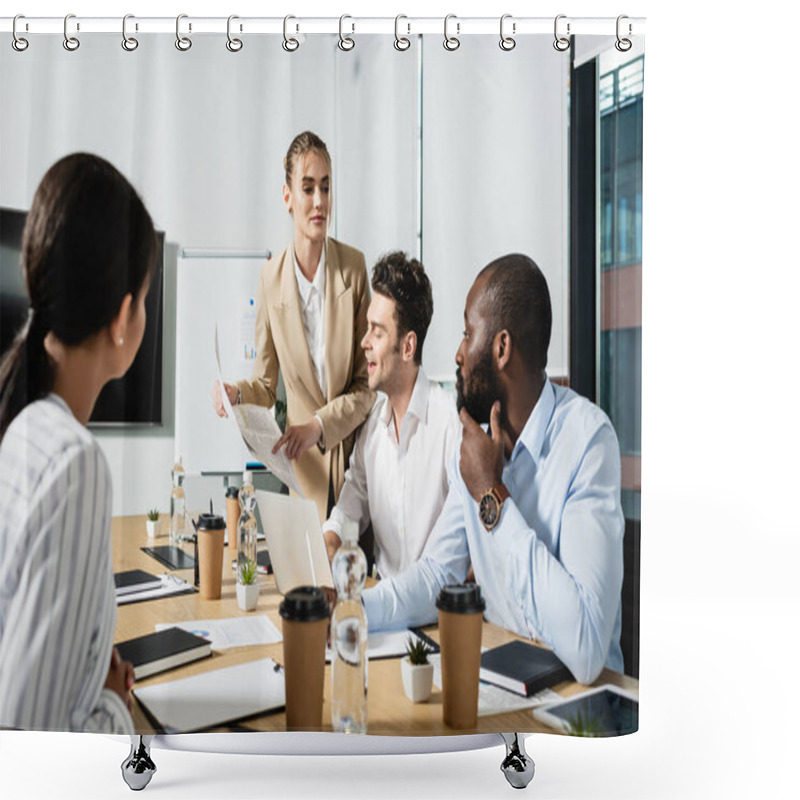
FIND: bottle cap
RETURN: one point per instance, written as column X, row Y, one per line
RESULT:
column 350, row 531
column 461, row 598
column 305, row 604
column 247, row 476
column 232, row 491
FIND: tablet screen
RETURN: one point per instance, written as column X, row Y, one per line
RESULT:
column 603, row 713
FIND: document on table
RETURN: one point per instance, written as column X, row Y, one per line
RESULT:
column 260, row 432
column 493, row 699
column 216, row 697
column 232, row 632
column 170, row 584
column 383, row 644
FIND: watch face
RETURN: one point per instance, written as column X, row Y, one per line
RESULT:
column 489, row 510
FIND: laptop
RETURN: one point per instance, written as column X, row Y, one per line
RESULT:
column 295, row 541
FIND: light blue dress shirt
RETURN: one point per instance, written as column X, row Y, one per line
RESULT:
column 552, row 567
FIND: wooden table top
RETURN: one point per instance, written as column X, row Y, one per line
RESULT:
column 389, row 711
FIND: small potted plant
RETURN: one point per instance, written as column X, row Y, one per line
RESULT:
column 247, row 586
column 153, row 523
column 417, row 671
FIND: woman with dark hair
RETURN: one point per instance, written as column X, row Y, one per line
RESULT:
column 88, row 252
column 311, row 315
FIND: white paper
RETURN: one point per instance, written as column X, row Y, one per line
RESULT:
column 170, row 584
column 384, row 644
column 493, row 699
column 232, row 632
column 260, row 432
column 215, row 697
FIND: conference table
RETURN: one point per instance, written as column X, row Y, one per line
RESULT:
column 389, row 711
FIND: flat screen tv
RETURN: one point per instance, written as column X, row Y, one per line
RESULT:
column 134, row 399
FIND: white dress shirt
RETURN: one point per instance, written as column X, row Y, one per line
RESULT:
column 57, row 605
column 312, row 305
column 400, row 485
column 552, row 567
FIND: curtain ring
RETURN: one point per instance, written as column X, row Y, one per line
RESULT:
column 561, row 43
column 18, row 43
column 70, row 42
column 128, row 42
column 507, row 42
column 346, row 42
column 400, row 42
column 183, row 43
column 290, row 44
column 234, row 45
column 623, row 44
column 451, row 42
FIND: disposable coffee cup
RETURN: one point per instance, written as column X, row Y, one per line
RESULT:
column 461, row 610
column 304, row 621
column 210, row 548
column 232, row 519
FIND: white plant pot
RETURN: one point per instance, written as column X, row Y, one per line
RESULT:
column 247, row 596
column 417, row 680
column 153, row 528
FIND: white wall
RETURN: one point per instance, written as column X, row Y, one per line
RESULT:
column 202, row 134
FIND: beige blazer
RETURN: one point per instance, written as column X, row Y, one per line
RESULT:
column 281, row 345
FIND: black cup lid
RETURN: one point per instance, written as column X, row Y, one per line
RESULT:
column 461, row 598
column 304, row 604
column 232, row 491
column 210, row 522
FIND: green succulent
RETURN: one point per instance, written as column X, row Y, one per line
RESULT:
column 248, row 572
column 417, row 651
column 584, row 726
column 153, row 514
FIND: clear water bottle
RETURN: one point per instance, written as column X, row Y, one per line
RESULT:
column 349, row 636
column 177, row 504
column 246, row 529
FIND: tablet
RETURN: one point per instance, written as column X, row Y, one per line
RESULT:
column 604, row 711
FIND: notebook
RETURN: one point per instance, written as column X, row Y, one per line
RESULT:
column 522, row 668
column 135, row 580
column 157, row 652
column 216, row 697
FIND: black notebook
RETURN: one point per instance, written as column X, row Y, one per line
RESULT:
column 523, row 668
column 135, row 580
column 164, row 650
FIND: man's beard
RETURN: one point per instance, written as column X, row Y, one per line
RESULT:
column 483, row 389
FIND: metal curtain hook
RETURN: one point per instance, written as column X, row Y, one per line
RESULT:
column 400, row 42
column 128, row 42
column 18, row 43
column 183, row 43
column 345, row 42
column 234, row 45
column 623, row 44
column 70, row 42
column 507, row 42
column 451, row 42
column 561, row 43
column 290, row 44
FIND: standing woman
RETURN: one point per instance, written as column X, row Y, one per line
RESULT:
column 311, row 314
column 88, row 252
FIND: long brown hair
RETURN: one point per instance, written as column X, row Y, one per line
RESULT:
column 88, row 241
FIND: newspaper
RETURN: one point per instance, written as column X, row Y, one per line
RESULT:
column 260, row 432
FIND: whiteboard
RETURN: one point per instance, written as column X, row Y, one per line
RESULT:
column 212, row 288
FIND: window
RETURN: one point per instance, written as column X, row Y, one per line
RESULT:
column 620, row 282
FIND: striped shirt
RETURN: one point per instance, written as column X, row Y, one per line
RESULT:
column 57, row 605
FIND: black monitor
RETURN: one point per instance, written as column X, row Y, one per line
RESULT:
column 134, row 399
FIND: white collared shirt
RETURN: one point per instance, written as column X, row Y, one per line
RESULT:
column 400, row 485
column 312, row 304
